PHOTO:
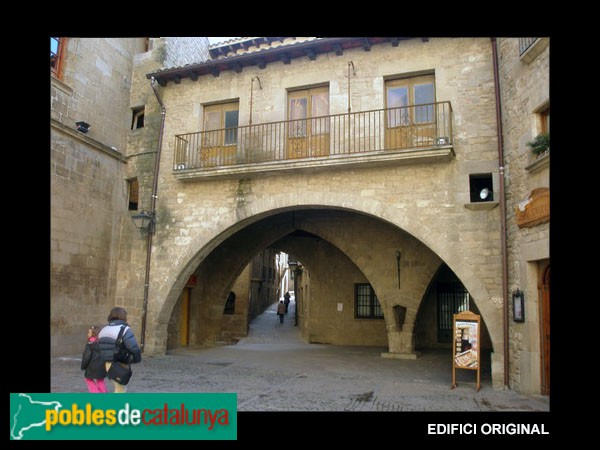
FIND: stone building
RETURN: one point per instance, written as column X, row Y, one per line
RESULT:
column 524, row 66
column 92, row 192
column 375, row 161
column 90, row 83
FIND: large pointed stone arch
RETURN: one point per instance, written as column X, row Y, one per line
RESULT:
column 165, row 291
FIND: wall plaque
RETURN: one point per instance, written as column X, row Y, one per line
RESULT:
column 535, row 209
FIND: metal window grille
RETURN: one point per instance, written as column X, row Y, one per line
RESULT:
column 366, row 303
column 452, row 297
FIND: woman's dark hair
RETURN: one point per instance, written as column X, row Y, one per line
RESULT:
column 117, row 313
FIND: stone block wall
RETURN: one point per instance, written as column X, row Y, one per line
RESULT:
column 181, row 51
column 525, row 89
column 327, row 315
column 427, row 200
column 99, row 73
column 87, row 197
column 88, row 189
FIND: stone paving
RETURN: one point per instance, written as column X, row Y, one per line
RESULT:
column 273, row 370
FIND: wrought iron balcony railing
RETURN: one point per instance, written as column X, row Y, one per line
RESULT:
column 338, row 135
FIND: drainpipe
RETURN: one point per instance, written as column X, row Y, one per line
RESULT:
column 163, row 112
column 502, row 202
column 350, row 64
column 252, row 92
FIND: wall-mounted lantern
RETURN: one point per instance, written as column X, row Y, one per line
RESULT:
column 518, row 298
column 82, row 126
column 144, row 221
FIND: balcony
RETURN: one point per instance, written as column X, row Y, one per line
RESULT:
column 377, row 137
column 525, row 43
column 531, row 47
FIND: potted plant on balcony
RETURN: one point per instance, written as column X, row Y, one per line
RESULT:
column 541, row 144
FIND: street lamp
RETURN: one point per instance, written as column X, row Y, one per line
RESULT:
column 144, row 221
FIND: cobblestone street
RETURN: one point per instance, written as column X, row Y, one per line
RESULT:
column 273, row 370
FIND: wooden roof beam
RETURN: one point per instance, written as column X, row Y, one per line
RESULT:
column 285, row 58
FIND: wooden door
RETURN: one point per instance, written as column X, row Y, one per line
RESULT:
column 308, row 126
column 410, row 116
column 544, row 295
column 220, row 137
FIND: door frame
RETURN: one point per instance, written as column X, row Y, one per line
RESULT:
column 310, row 137
column 544, row 313
column 409, row 132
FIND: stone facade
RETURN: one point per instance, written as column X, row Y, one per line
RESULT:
column 96, row 81
column 344, row 223
column 90, row 224
column 525, row 88
column 88, row 190
column 185, row 50
column 199, row 221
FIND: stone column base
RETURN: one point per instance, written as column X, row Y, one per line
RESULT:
column 389, row 355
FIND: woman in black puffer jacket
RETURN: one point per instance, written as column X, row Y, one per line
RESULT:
column 107, row 339
column 93, row 364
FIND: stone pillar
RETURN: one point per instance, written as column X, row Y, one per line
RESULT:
column 400, row 344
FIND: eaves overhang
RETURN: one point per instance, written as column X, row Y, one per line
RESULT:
column 284, row 53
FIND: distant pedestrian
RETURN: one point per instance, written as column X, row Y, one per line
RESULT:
column 286, row 302
column 107, row 339
column 280, row 311
column 93, row 364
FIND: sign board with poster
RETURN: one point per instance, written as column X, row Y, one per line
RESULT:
column 465, row 345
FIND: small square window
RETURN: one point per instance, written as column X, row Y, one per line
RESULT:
column 481, row 188
column 133, row 188
column 137, row 120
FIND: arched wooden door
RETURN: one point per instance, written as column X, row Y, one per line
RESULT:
column 544, row 296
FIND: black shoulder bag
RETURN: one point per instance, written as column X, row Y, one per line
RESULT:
column 117, row 372
column 122, row 355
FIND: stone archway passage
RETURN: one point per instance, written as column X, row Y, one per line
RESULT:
column 345, row 248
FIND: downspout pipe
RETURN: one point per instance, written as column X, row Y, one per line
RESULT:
column 150, row 235
column 502, row 201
